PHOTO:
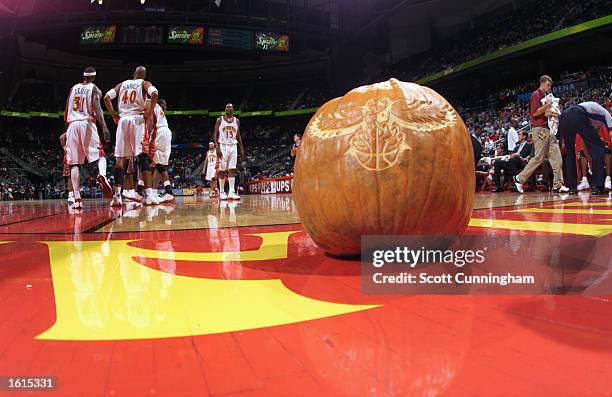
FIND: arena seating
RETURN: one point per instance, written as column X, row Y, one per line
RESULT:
column 492, row 34
column 267, row 139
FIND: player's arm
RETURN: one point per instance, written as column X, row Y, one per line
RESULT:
column 216, row 135
column 152, row 91
column 108, row 102
column 62, row 140
column 99, row 114
column 239, row 138
column 66, row 109
column 151, row 118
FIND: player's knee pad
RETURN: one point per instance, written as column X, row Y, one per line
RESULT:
column 161, row 168
column 144, row 162
column 119, row 172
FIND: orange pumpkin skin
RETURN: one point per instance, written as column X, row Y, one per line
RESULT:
column 389, row 158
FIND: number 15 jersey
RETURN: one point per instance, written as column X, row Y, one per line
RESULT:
column 228, row 130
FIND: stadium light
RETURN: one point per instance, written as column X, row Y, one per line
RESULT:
column 142, row 1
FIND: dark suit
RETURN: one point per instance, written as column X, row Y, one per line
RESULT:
column 511, row 166
column 477, row 148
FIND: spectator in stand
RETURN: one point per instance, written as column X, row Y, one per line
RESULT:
column 517, row 161
column 513, row 137
column 476, row 145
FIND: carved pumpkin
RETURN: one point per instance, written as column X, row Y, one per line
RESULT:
column 388, row 158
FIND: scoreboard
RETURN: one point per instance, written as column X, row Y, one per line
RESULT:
column 230, row 38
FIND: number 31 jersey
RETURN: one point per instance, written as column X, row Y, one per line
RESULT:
column 79, row 106
column 131, row 98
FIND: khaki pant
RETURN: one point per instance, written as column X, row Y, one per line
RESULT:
column 544, row 145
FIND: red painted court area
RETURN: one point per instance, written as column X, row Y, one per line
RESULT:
column 98, row 310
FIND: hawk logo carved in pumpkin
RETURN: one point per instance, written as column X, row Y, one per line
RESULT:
column 378, row 128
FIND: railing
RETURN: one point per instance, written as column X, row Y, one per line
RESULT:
column 579, row 98
column 22, row 163
column 265, row 161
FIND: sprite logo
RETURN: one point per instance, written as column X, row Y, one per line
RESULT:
column 186, row 35
column 98, row 34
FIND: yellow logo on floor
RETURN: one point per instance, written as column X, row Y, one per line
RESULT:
column 101, row 293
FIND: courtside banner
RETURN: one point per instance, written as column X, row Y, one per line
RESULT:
column 271, row 41
column 271, row 185
column 99, row 34
column 479, row 263
column 185, row 35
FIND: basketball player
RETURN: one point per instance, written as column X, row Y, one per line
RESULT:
column 227, row 137
column 580, row 120
column 82, row 139
column 66, row 171
column 161, row 142
column 210, row 168
column 130, row 178
column 132, row 137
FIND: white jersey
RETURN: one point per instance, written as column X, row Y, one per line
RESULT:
column 131, row 98
column 598, row 113
column 79, row 105
column 211, row 157
column 159, row 117
column 228, row 131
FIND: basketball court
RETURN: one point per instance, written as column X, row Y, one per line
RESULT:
column 209, row 298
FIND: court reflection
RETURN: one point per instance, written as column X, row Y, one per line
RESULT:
column 115, row 289
column 204, row 213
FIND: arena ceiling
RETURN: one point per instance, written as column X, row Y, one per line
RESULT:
column 315, row 26
column 411, row 26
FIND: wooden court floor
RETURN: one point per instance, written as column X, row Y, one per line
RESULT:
column 208, row 298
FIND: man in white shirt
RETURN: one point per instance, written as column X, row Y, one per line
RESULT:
column 513, row 137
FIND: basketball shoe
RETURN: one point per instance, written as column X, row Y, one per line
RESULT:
column 107, row 191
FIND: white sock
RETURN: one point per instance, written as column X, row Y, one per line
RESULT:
column 166, row 183
column 71, row 194
column 608, row 178
column 102, row 166
column 584, row 179
column 140, row 182
column 74, row 177
column 149, row 191
column 117, row 190
column 222, row 185
column 232, row 181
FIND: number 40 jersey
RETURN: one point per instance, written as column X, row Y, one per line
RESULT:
column 131, row 98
